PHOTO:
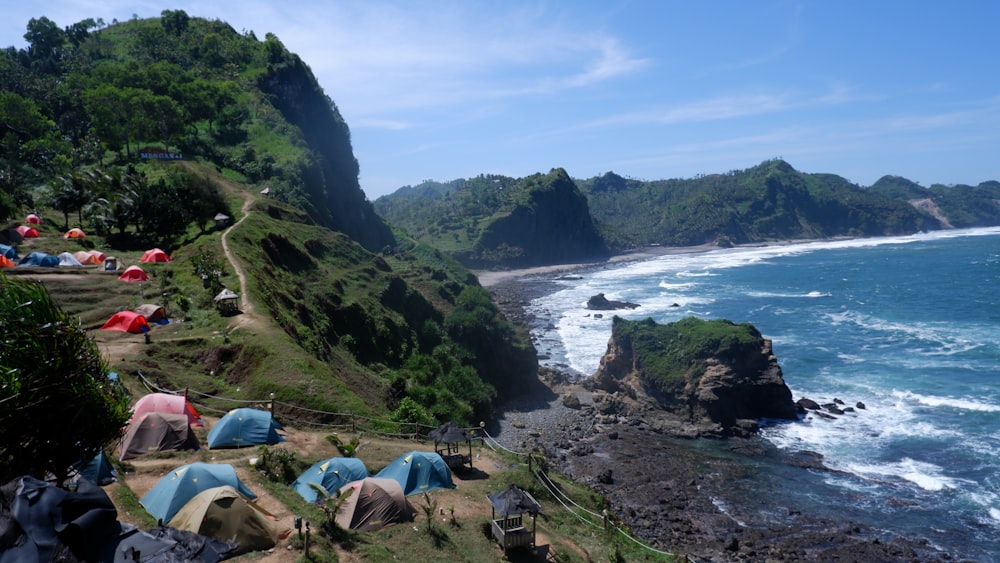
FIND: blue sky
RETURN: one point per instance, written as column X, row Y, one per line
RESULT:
column 647, row 89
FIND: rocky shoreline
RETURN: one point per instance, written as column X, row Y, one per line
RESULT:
column 676, row 493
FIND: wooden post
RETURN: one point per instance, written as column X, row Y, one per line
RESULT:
column 271, row 407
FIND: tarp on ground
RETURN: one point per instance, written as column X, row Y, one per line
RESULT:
column 222, row 513
column 8, row 251
column 154, row 255
column 244, row 427
column 33, row 219
column 85, row 258
column 133, row 274
column 75, row 232
column 418, row 472
column 127, row 321
column 331, row 474
column 157, row 432
column 153, row 313
column 97, row 470
column 179, row 486
column 27, row 232
column 68, row 259
column 5, row 262
column 168, row 403
column 39, row 259
column 373, row 504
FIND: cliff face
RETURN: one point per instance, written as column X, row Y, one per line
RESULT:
column 712, row 377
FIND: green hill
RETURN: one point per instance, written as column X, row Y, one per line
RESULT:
column 141, row 132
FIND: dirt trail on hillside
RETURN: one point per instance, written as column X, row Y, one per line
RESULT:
column 249, row 314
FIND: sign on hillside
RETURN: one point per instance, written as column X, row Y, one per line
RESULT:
column 159, row 154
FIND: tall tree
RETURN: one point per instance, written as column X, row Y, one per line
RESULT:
column 57, row 406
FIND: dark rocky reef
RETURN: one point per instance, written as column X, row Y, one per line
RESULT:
column 709, row 378
column 601, row 303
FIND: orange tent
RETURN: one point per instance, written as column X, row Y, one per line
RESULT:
column 154, row 255
column 100, row 256
column 86, row 258
column 75, row 232
column 5, row 262
column 27, row 232
column 133, row 274
column 127, row 321
column 33, row 219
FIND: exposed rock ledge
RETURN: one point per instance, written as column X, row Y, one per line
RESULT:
column 601, row 303
column 710, row 378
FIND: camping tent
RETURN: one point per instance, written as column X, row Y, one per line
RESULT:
column 157, row 432
column 27, row 232
column 179, row 486
column 418, row 472
column 68, row 259
column 100, row 256
column 153, row 313
column 75, row 232
column 127, row 321
column 8, row 251
column 373, row 505
column 221, row 513
column 154, row 255
column 33, row 219
column 97, row 470
column 39, row 259
column 85, row 258
column 331, row 474
column 244, row 427
column 165, row 402
column 5, row 262
column 133, row 274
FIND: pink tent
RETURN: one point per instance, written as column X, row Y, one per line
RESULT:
column 27, row 232
column 133, row 274
column 100, row 256
column 154, row 255
column 75, row 232
column 86, row 258
column 165, row 402
column 33, row 219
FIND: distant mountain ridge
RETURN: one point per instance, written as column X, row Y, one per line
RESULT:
column 768, row 202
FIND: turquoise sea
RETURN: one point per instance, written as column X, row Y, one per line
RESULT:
column 908, row 326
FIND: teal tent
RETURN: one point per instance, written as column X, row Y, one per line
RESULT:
column 39, row 259
column 8, row 251
column 97, row 470
column 179, row 486
column 418, row 472
column 244, row 427
column 331, row 474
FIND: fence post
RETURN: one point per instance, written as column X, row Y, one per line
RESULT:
column 271, row 406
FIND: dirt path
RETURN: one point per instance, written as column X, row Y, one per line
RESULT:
column 249, row 314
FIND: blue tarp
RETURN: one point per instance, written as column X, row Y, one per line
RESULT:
column 331, row 474
column 9, row 251
column 418, row 472
column 244, row 427
column 179, row 486
column 39, row 259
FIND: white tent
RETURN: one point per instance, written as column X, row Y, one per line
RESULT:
column 67, row 259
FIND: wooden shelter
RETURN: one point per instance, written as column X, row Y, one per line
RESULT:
column 227, row 301
column 447, row 443
column 510, row 506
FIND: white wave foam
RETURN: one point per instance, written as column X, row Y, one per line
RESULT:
column 949, row 402
column 927, row 476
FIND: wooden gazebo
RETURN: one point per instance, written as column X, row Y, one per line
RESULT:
column 447, row 441
column 227, row 301
column 510, row 506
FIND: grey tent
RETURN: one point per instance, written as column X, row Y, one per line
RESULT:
column 373, row 504
column 153, row 313
column 157, row 432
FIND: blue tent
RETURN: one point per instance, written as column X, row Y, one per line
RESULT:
column 244, row 427
column 418, row 472
column 97, row 470
column 179, row 486
column 39, row 259
column 331, row 474
column 9, row 251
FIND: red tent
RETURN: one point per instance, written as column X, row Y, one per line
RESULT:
column 165, row 402
column 154, row 255
column 133, row 274
column 33, row 219
column 27, row 232
column 127, row 321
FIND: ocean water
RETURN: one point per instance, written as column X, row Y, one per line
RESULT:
column 909, row 326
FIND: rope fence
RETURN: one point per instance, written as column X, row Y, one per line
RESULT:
column 359, row 423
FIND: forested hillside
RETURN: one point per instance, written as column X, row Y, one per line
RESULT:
column 143, row 132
